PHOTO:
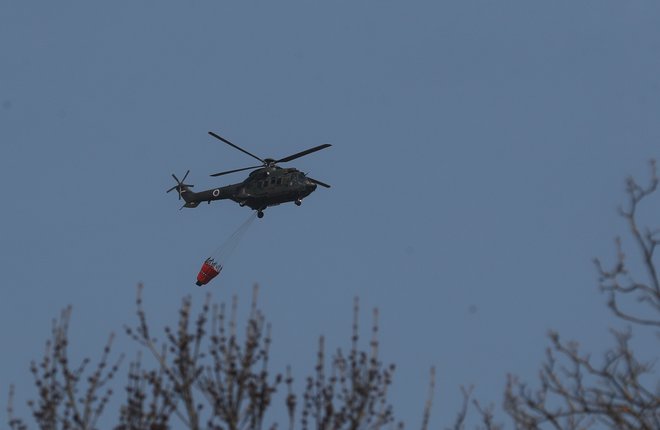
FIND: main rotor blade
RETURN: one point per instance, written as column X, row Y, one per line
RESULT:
column 235, row 146
column 235, row 170
column 300, row 154
column 318, row 182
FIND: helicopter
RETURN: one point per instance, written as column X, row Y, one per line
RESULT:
column 267, row 185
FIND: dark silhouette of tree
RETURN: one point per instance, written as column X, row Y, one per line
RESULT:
column 205, row 374
column 68, row 397
column 354, row 396
column 618, row 391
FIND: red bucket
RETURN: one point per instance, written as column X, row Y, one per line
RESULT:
column 209, row 270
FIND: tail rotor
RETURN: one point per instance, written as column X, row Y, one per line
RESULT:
column 180, row 186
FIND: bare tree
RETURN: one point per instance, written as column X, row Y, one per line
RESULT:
column 618, row 282
column 205, row 374
column 202, row 367
column 354, row 396
column 579, row 392
column 69, row 397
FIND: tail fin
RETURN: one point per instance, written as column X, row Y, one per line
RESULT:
column 184, row 191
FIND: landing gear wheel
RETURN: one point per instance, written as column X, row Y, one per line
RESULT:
column 298, row 202
column 260, row 214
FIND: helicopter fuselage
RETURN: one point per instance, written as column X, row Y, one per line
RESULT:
column 268, row 186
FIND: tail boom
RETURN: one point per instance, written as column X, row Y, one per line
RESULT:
column 193, row 199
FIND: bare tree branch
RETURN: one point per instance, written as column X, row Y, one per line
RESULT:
column 617, row 281
column 578, row 392
column 355, row 395
column 68, row 397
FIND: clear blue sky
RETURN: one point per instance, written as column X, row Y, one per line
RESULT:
column 479, row 151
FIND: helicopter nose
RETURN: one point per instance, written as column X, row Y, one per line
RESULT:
column 310, row 186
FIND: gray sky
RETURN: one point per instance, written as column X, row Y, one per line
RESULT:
column 479, row 152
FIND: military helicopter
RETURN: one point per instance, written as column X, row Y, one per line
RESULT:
column 268, row 185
